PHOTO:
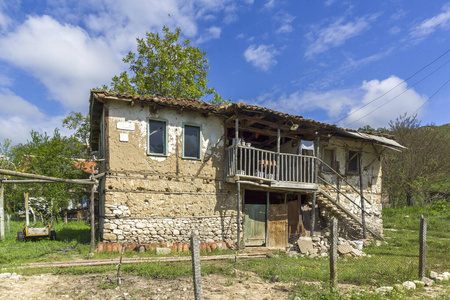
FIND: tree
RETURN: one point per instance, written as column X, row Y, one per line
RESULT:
column 411, row 172
column 81, row 126
column 163, row 66
column 5, row 161
column 50, row 156
column 368, row 128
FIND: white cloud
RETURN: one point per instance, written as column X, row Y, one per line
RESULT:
column 261, row 57
column 12, row 104
column 340, row 103
column 5, row 21
column 334, row 102
column 395, row 30
column 210, row 34
column 122, row 21
column 18, row 128
column 388, row 107
column 269, row 4
column 63, row 57
column 285, row 19
column 336, row 34
column 430, row 25
column 18, row 117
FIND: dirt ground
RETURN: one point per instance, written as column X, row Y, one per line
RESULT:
column 102, row 286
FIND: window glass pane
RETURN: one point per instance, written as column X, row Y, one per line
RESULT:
column 328, row 158
column 353, row 162
column 157, row 136
column 191, row 141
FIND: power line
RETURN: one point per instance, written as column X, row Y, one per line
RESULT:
column 420, row 70
column 432, row 96
column 390, row 100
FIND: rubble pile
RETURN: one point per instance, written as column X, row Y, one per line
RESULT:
column 319, row 246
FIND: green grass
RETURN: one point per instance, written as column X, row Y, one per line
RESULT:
column 395, row 261
column 72, row 242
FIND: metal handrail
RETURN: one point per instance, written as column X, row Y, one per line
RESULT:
column 340, row 176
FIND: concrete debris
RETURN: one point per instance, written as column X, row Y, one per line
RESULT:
column 10, row 275
column 163, row 251
column 433, row 275
column 384, row 289
column 305, row 246
column 409, row 285
column 344, row 248
column 427, row 281
column 319, row 246
column 419, row 283
column 357, row 253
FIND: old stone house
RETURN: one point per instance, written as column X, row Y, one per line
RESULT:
column 231, row 172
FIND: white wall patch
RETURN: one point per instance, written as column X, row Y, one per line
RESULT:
column 123, row 137
column 125, row 126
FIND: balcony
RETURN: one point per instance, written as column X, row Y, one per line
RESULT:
column 283, row 170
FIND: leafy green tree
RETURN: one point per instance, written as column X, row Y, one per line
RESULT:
column 368, row 128
column 5, row 161
column 50, row 156
column 80, row 125
column 409, row 174
column 164, row 66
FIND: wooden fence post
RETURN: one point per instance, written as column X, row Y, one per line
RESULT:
column 2, row 214
column 422, row 246
column 92, row 208
column 27, row 216
column 333, row 252
column 197, row 274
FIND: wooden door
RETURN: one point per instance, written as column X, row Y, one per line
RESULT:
column 278, row 223
column 255, row 224
column 293, row 218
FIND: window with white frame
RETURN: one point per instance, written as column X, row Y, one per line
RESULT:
column 157, row 137
column 192, row 141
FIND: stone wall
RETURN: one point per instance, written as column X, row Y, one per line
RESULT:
column 119, row 226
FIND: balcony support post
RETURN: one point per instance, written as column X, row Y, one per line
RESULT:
column 316, row 168
column 236, row 139
column 238, row 245
column 278, row 155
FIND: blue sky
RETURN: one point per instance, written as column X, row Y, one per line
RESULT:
column 324, row 60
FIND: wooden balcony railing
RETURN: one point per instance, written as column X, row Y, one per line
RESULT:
column 253, row 163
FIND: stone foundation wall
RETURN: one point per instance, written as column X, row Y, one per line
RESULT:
column 122, row 228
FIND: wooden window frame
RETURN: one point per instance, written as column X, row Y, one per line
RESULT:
column 352, row 154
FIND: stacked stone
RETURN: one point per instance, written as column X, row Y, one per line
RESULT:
column 119, row 227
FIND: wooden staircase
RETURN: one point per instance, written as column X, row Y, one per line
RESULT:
column 350, row 223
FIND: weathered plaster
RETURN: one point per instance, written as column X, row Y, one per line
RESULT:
column 149, row 187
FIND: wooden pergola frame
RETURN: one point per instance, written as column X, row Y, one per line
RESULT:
column 34, row 178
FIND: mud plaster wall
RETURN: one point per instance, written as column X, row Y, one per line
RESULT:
column 371, row 175
column 168, row 195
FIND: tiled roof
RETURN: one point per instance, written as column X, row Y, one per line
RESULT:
column 86, row 166
column 226, row 110
column 185, row 103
